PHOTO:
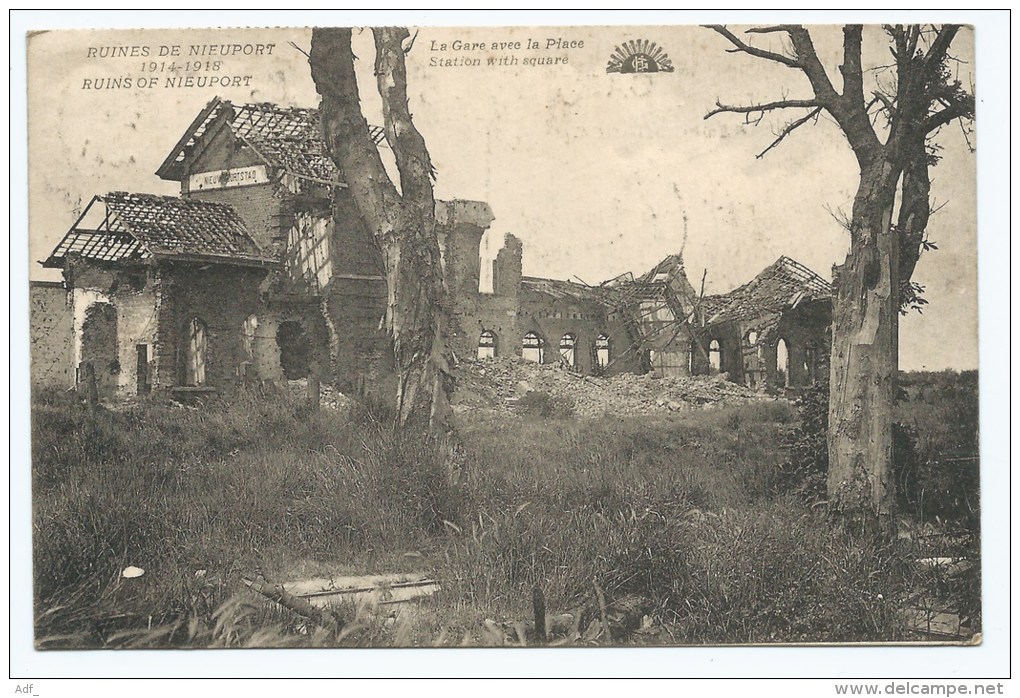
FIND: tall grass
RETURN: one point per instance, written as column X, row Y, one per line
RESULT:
column 680, row 510
column 197, row 497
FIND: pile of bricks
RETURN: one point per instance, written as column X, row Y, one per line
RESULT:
column 499, row 383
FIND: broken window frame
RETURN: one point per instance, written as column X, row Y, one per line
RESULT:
column 197, row 353
column 533, row 342
column 602, row 351
column 715, row 348
column 568, row 349
column 487, row 342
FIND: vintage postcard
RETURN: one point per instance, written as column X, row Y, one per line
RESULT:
column 519, row 336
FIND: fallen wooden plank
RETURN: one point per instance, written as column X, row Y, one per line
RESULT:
column 353, row 583
column 277, row 593
column 939, row 623
column 380, row 589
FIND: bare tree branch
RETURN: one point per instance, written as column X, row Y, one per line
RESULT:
column 956, row 110
column 408, row 146
column 890, row 108
column 346, row 134
column 742, row 47
column 808, row 61
column 789, row 128
column 298, row 48
column 771, row 30
column 410, row 44
column 767, row 106
column 853, row 75
column 966, row 135
column 939, row 47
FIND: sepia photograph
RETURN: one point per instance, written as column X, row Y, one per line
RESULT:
column 504, row 336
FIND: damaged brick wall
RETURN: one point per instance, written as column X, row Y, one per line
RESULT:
column 286, row 341
column 131, row 296
column 346, row 300
column 50, row 335
column 507, row 267
column 497, row 312
column 553, row 319
column 759, row 363
column 805, row 331
column 222, row 298
column 259, row 208
column 461, row 225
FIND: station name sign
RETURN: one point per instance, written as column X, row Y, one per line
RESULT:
column 226, row 179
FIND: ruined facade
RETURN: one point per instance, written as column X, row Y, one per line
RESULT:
column 263, row 267
column 156, row 287
column 772, row 332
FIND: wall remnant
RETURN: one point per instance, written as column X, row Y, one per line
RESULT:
column 51, row 337
column 262, row 268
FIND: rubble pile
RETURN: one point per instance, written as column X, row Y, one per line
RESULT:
column 499, row 383
column 329, row 397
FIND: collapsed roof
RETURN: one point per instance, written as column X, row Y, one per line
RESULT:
column 784, row 284
column 286, row 138
column 122, row 227
column 570, row 290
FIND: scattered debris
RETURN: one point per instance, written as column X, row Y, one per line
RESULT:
column 941, row 624
column 501, row 383
column 329, row 397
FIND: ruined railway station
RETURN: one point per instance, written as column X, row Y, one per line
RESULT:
column 262, row 270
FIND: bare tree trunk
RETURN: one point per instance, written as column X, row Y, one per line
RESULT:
column 403, row 222
column 863, row 362
column 874, row 282
column 915, row 210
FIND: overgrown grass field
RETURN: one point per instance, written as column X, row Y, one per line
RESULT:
column 688, row 512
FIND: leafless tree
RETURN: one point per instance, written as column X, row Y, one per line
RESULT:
column 890, row 132
column 403, row 221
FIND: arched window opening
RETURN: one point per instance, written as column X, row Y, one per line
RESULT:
column 602, row 351
column 752, row 366
column 487, row 345
column 533, row 348
column 567, row 343
column 196, row 353
column 782, row 364
column 715, row 355
column 295, row 350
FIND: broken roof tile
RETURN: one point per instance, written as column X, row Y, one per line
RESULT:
column 287, row 138
column 139, row 226
column 569, row 290
column 783, row 284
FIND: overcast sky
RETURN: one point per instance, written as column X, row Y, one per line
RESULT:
column 595, row 172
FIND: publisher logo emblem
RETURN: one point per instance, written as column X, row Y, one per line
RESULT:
column 639, row 56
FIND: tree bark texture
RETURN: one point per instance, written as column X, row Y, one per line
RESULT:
column 403, row 222
column 874, row 282
column 863, row 365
